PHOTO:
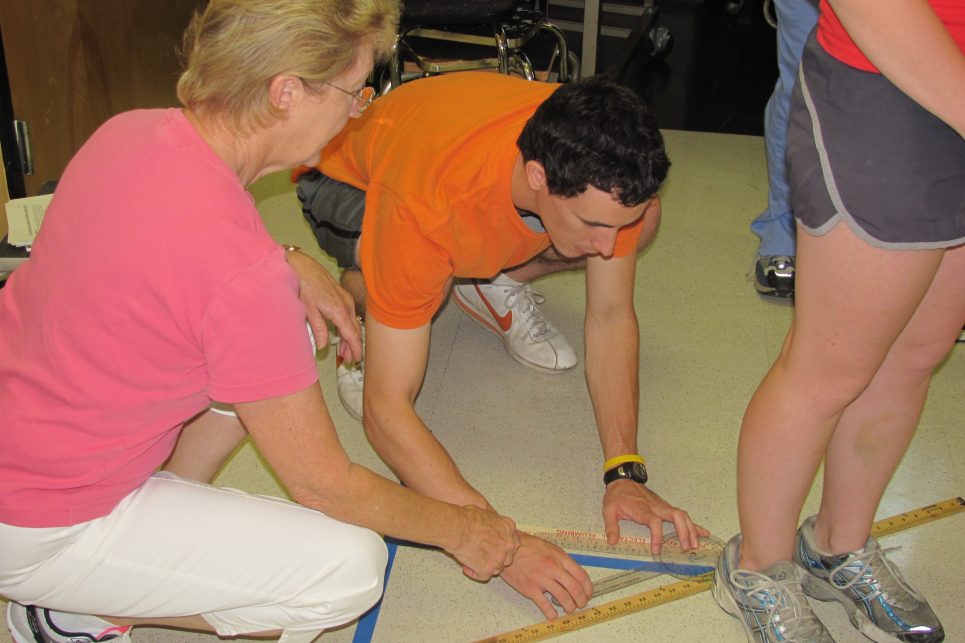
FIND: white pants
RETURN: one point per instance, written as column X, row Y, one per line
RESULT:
column 175, row 547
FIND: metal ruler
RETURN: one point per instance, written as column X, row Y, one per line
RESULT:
column 673, row 591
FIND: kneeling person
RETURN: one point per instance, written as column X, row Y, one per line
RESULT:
column 432, row 185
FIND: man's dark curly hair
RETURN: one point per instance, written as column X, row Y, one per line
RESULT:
column 596, row 132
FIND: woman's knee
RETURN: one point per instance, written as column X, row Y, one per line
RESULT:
column 830, row 379
column 366, row 558
column 917, row 358
column 358, row 578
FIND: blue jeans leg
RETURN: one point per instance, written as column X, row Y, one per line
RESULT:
column 775, row 226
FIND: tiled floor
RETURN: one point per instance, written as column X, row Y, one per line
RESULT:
column 527, row 440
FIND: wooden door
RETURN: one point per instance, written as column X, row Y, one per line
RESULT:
column 74, row 63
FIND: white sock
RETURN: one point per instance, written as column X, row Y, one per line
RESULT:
column 502, row 279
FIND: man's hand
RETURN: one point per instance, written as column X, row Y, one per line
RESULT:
column 325, row 300
column 489, row 544
column 629, row 500
column 541, row 567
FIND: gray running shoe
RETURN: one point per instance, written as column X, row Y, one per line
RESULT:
column 770, row 604
column 774, row 276
column 880, row 603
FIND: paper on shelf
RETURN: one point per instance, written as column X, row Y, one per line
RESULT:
column 24, row 217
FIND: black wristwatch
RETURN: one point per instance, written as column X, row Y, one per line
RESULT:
column 627, row 471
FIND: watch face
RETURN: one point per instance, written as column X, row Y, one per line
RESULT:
column 636, row 471
column 627, row 471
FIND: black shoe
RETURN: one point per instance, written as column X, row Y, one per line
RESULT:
column 774, row 276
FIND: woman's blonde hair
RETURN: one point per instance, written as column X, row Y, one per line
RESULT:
column 233, row 48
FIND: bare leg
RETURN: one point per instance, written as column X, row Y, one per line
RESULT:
column 875, row 430
column 853, row 302
column 194, row 623
column 205, row 443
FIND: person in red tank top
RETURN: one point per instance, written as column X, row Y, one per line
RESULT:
column 876, row 160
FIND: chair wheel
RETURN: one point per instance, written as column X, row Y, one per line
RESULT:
column 661, row 41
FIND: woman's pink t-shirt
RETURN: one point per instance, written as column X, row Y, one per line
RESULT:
column 153, row 288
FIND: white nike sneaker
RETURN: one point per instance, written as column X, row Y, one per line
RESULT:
column 350, row 377
column 511, row 310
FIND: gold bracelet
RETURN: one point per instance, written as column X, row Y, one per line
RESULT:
column 291, row 247
column 622, row 459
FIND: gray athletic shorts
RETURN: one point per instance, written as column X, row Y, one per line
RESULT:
column 334, row 211
column 860, row 151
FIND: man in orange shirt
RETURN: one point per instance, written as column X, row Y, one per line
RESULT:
column 435, row 183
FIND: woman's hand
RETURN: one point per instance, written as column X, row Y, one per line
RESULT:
column 325, row 300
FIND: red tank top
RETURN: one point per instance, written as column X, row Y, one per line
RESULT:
column 837, row 42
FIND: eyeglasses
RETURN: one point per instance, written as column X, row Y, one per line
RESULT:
column 363, row 97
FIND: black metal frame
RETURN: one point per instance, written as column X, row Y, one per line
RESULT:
column 8, row 141
column 507, row 26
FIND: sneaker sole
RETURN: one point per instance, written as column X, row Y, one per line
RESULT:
column 775, row 294
column 770, row 291
column 467, row 308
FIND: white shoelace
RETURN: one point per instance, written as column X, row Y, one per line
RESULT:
column 782, row 600
column 889, row 584
column 524, row 300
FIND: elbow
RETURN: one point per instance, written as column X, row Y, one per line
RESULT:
column 377, row 419
column 328, row 489
column 314, row 498
column 384, row 409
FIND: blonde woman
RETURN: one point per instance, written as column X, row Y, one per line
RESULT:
column 153, row 290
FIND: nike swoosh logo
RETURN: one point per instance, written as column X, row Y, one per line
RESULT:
column 504, row 321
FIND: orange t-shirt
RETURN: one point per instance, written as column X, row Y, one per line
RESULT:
column 435, row 158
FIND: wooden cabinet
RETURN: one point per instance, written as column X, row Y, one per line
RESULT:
column 72, row 64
